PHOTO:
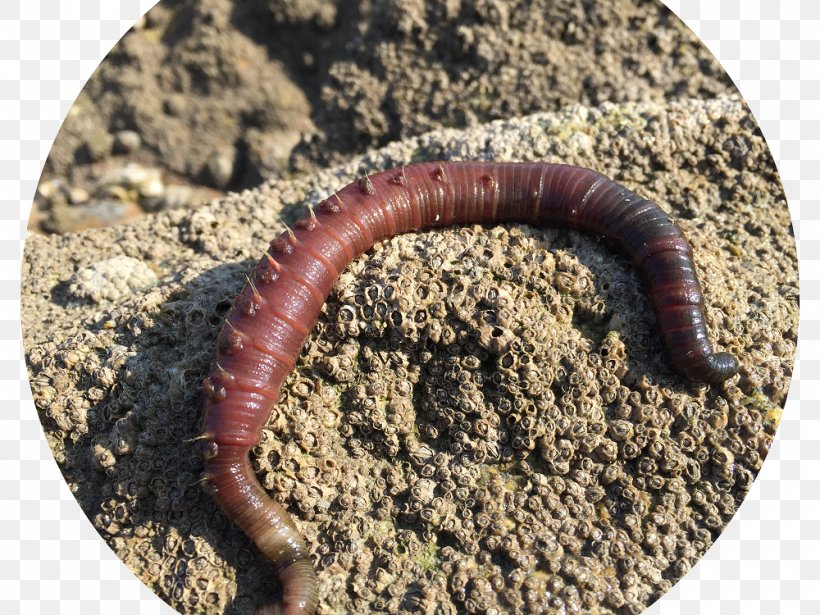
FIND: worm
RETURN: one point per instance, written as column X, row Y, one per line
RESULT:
column 273, row 315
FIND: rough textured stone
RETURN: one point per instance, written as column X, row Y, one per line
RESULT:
column 482, row 418
column 115, row 279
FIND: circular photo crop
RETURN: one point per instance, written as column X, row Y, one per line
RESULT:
column 463, row 306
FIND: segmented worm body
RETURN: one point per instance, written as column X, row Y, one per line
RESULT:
column 272, row 316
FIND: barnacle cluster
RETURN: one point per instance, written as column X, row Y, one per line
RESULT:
column 537, row 464
column 477, row 421
column 482, row 420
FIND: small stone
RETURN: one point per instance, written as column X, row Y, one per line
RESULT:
column 269, row 152
column 178, row 196
column 127, row 141
column 220, row 167
column 131, row 175
column 111, row 280
column 51, row 189
column 94, row 214
column 77, row 196
column 98, row 145
column 151, row 188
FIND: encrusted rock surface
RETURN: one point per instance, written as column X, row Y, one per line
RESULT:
column 482, row 419
column 115, row 279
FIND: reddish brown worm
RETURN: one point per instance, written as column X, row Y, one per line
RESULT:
column 272, row 316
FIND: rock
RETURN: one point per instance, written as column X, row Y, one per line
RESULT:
column 176, row 105
column 131, row 175
column 62, row 208
column 98, row 213
column 151, row 188
column 220, row 167
column 98, row 144
column 132, row 183
column 77, row 196
column 407, row 441
column 111, row 280
column 127, row 141
column 53, row 190
column 268, row 153
column 176, row 196
column 180, row 196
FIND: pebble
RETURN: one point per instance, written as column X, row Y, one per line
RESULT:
column 220, row 167
column 269, row 152
column 152, row 187
column 93, row 214
column 98, row 145
column 53, row 190
column 127, row 141
column 176, row 196
column 78, row 196
column 111, row 280
column 131, row 175
column 121, row 194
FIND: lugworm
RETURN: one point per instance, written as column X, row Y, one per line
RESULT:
column 272, row 316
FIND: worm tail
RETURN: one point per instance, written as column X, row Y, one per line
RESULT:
column 663, row 257
column 238, row 493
